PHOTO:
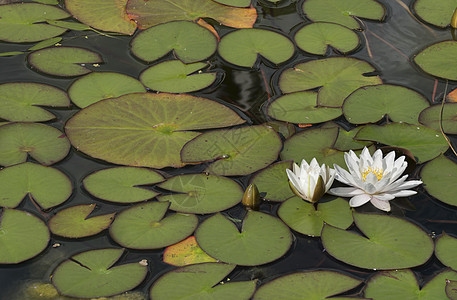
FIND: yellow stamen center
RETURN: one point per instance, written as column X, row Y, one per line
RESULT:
column 376, row 171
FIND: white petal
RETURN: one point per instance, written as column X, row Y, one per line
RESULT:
column 296, row 169
column 384, row 197
column 371, row 179
column 369, row 188
column 409, row 184
column 343, row 176
column 359, row 200
column 393, row 186
column 293, row 179
column 353, row 166
column 380, row 204
column 388, row 161
column 314, row 163
column 377, row 160
column 404, row 193
column 346, row 191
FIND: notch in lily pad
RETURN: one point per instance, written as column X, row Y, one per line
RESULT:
column 273, row 183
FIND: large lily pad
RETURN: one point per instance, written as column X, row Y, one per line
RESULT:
column 188, row 41
column 201, row 194
column 438, row 13
column 200, row 281
column 371, row 103
column 98, row 86
column 145, row 129
column 23, row 236
column 46, row 186
column 186, row 252
column 390, row 243
column 173, row 76
column 63, row 61
column 74, row 222
column 238, row 151
column 21, row 101
column 107, row 15
column 242, row 47
column 438, row 173
column 345, row 140
column 221, row 239
column 431, row 117
column 273, row 182
column 336, row 78
column 343, row 11
column 445, row 250
column 154, row 12
column 438, row 60
column 423, row 142
column 44, row 143
column 144, row 226
column 21, row 22
column 91, row 274
column 316, row 285
column 122, row 184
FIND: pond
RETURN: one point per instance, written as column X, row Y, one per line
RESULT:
column 120, row 144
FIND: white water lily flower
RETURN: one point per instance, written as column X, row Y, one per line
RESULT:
column 310, row 182
column 373, row 178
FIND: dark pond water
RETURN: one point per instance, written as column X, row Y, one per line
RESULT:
column 388, row 46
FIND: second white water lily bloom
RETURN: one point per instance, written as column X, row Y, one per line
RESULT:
column 373, row 178
column 310, row 182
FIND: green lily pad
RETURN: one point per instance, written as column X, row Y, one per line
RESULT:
column 186, row 252
column 283, row 128
column 336, row 78
column 48, row 187
column 431, row 117
column 343, row 11
column 173, row 76
column 371, row 103
column 438, row 173
column 201, row 282
column 63, row 61
column 237, row 3
column 97, row 86
column 301, row 107
column 451, row 289
column 438, row 60
column 403, row 284
column 44, row 143
column 74, row 222
column 21, row 22
column 144, row 226
column 91, row 274
column 221, row 239
column 107, row 15
column 154, row 12
column 145, row 129
column 303, row 217
column 436, row 12
column 188, row 41
column 445, row 246
column 242, row 47
column 315, row 38
column 390, row 243
column 239, row 151
column 345, row 140
column 201, row 194
column 121, row 184
column 273, row 181
column 21, row 101
column 46, row 43
column 423, row 142
column 307, row 285
column 22, row 237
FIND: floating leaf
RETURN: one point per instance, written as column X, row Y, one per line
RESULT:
column 173, row 76
column 22, row 236
column 431, row 117
column 273, row 181
column 69, row 25
column 451, row 289
column 107, row 15
column 18, row 22
column 423, row 142
column 201, row 282
column 438, row 13
column 21, row 101
column 343, row 11
column 283, row 128
column 390, row 243
column 445, row 247
column 242, row 47
column 303, row 217
column 91, row 274
column 237, row 3
column 186, row 252
column 45, row 43
column 46, row 186
column 307, row 285
column 74, row 222
column 239, row 151
column 438, row 60
column 44, row 143
column 438, row 173
column 336, row 77
column 188, row 41
column 301, row 107
column 143, row 226
column 221, row 239
column 97, row 86
column 63, row 61
column 120, row 184
column 145, row 129
column 201, row 194
column 345, row 140
column 315, row 38
column 154, row 12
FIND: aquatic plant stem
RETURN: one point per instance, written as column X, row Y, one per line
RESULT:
column 441, row 120
column 434, row 90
